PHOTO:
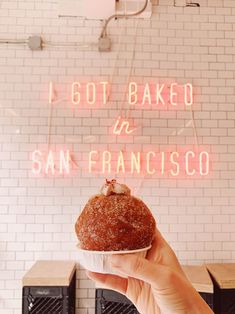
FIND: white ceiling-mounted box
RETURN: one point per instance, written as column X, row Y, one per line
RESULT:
column 102, row 9
column 90, row 9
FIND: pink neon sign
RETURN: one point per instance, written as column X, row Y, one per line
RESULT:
column 89, row 93
column 185, row 163
column 51, row 163
column 157, row 95
column 160, row 95
column 181, row 163
column 122, row 126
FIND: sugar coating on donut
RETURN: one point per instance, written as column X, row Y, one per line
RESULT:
column 115, row 222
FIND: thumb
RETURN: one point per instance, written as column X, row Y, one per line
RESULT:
column 140, row 268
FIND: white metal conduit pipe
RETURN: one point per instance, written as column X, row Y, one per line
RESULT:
column 118, row 16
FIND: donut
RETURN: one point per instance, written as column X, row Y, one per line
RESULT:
column 115, row 221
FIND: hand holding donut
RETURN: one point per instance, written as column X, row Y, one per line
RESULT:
column 157, row 284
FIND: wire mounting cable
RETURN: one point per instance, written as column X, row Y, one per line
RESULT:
column 118, row 16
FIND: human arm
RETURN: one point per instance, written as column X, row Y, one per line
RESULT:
column 156, row 284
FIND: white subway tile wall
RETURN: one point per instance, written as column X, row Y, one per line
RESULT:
column 37, row 214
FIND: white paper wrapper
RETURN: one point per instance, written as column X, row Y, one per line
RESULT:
column 97, row 261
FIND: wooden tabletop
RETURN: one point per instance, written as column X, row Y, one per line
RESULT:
column 50, row 273
column 199, row 278
column 224, row 274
